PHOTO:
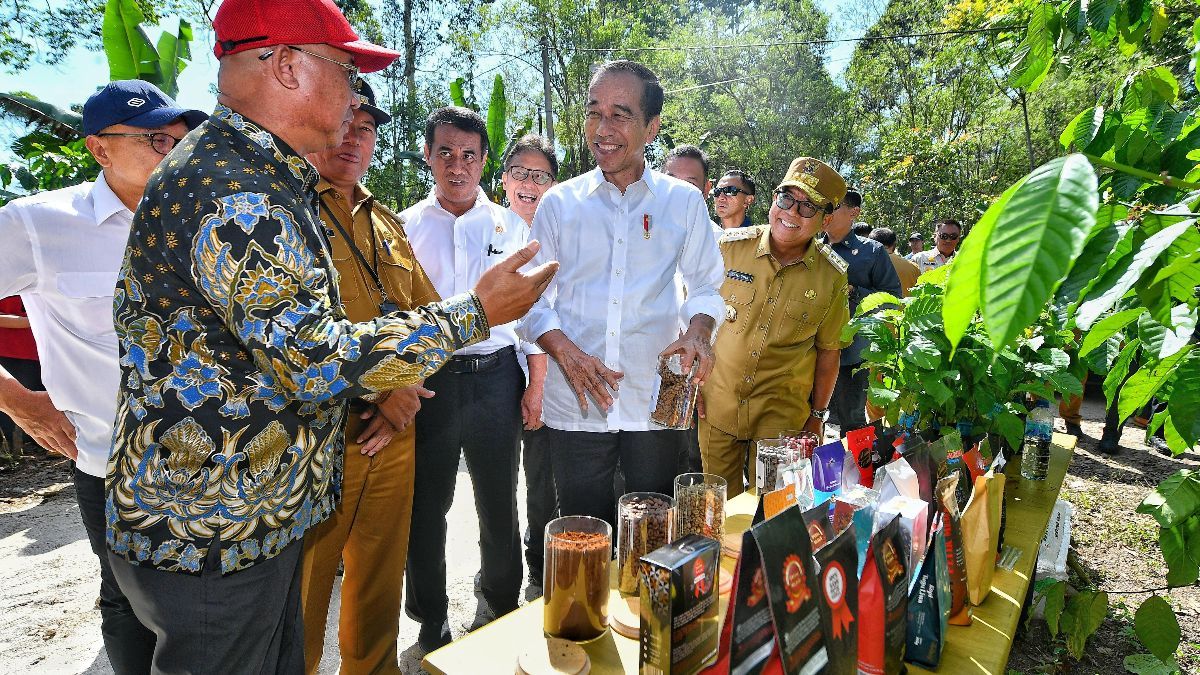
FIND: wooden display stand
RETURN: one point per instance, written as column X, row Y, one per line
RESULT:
column 981, row 648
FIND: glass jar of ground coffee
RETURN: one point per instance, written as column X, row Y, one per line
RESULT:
column 576, row 577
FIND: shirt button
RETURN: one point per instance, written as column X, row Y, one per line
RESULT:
column 762, row 326
column 618, row 272
column 742, row 402
column 616, row 302
column 754, row 354
column 620, row 241
column 749, row 379
column 806, row 315
column 770, row 301
column 613, row 333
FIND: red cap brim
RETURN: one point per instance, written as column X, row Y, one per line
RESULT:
column 367, row 56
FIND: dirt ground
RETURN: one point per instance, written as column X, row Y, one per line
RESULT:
column 48, row 576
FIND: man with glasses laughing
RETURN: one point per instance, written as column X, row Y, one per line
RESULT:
column 62, row 253
column 785, row 305
column 946, row 237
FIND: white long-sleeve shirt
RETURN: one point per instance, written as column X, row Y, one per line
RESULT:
column 61, row 252
column 456, row 251
column 615, row 294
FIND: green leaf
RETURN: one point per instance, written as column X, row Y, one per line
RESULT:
column 1184, row 404
column 1011, row 428
column 1174, row 500
column 174, row 53
column 1110, row 229
column 939, row 391
column 875, row 300
column 1036, row 52
column 922, row 353
column 497, row 113
column 63, row 123
column 962, row 284
column 1120, row 370
column 1148, row 664
column 1107, row 327
column 1082, row 617
column 1100, row 15
column 1037, row 235
column 1066, row 383
column 881, row 396
column 1145, row 383
column 1147, row 87
column 1196, row 53
column 1163, row 341
column 1158, row 22
column 1082, row 130
column 457, row 95
column 1178, row 545
column 1157, row 627
column 1055, row 599
column 130, row 53
column 1096, row 303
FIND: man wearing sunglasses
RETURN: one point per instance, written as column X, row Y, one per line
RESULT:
column 946, row 237
column 62, row 253
column 785, row 306
column 238, row 362
column 733, row 198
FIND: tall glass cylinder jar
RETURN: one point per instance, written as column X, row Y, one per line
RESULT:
column 700, row 505
column 576, row 577
column 645, row 523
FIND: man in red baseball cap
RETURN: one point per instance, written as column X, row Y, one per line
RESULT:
column 238, row 361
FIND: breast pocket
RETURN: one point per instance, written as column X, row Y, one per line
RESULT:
column 801, row 320
column 349, row 275
column 739, row 299
column 87, row 310
column 396, row 273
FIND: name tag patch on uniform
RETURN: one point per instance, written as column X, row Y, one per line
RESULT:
column 740, row 276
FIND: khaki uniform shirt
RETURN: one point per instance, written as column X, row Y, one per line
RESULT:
column 776, row 317
column 403, row 278
column 907, row 271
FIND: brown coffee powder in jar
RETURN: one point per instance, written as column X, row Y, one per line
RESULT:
column 575, row 583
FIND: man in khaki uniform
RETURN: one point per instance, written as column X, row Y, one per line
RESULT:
column 777, row 352
column 378, row 273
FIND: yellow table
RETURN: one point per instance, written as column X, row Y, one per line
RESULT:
column 979, row 648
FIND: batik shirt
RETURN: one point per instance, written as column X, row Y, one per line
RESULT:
column 236, row 359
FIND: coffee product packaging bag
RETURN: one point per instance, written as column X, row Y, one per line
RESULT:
column 956, row 562
column 790, row 573
column 747, row 644
column 981, row 534
column 861, row 443
column 838, row 582
column 913, row 516
column 827, row 470
column 897, row 478
column 929, row 606
column 679, row 623
column 883, row 604
column 856, row 506
column 820, row 530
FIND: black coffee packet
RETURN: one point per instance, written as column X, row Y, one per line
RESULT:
column 929, row 606
column 679, row 622
column 747, row 642
column 820, row 530
column 838, row 581
column 790, row 573
column 883, row 604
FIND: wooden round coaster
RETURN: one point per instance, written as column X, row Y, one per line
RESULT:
column 726, row 583
column 554, row 656
column 625, row 618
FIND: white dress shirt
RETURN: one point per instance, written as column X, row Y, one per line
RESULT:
column 61, row 252
column 615, row 295
column 929, row 260
column 456, row 251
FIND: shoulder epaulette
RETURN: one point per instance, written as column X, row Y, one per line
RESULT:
column 740, row 233
column 833, row 258
column 380, row 207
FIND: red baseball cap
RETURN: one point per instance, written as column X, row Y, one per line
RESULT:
column 251, row 24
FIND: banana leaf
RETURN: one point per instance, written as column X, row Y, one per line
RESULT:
column 131, row 55
column 65, row 124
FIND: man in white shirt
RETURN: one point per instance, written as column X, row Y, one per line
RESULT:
column 622, row 233
column 457, row 233
column 946, row 237
column 62, row 252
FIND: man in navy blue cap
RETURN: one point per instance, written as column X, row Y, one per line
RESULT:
column 62, row 253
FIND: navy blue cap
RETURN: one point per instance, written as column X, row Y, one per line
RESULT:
column 366, row 102
column 136, row 103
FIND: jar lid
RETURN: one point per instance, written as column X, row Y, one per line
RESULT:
column 554, row 656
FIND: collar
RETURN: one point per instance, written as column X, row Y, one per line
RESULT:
column 593, row 179
column 764, row 248
column 361, row 193
column 851, row 240
column 481, row 199
column 105, row 202
column 301, row 170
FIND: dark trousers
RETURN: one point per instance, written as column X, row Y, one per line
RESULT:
column 476, row 413
column 541, row 502
column 584, row 463
column 848, row 407
column 129, row 644
column 244, row 622
column 29, row 374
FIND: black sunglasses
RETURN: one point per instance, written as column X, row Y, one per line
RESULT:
column 160, row 142
column 805, row 208
column 730, row 191
column 946, row 236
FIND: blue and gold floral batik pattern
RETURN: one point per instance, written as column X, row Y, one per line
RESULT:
column 236, row 359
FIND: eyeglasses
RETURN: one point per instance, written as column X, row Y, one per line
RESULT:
column 350, row 68
column 160, row 142
column 730, row 191
column 538, row 176
column 946, row 236
column 805, row 208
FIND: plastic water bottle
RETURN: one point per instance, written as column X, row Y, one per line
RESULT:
column 1035, row 450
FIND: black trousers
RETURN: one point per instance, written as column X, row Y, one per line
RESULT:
column 476, row 412
column 541, row 502
column 29, row 374
column 848, row 407
column 129, row 644
column 244, row 622
column 584, row 463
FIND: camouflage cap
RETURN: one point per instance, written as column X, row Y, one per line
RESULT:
column 817, row 178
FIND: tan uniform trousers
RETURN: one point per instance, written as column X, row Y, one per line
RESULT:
column 369, row 531
column 726, row 456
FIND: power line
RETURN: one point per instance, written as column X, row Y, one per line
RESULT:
column 736, row 79
column 791, row 43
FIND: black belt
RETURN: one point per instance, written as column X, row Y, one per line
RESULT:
column 475, row 363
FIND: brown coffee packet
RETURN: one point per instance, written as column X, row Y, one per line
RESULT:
column 790, row 575
column 956, row 562
column 747, row 643
column 981, row 534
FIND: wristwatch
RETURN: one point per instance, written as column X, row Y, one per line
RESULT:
column 822, row 414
